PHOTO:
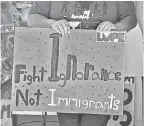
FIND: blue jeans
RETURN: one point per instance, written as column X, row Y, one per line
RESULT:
column 68, row 119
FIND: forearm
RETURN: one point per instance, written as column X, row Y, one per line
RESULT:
column 127, row 23
column 36, row 20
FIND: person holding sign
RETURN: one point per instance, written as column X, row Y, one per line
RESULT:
column 103, row 16
column 97, row 15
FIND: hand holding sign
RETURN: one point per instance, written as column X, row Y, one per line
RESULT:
column 61, row 26
column 106, row 26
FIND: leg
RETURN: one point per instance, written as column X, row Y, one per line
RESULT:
column 94, row 120
column 68, row 119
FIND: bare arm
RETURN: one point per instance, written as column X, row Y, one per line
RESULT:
column 127, row 23
column 37, row 20
column 39, row 14
column 126, row 16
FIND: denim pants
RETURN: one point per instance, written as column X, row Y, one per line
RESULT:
column 68, row 119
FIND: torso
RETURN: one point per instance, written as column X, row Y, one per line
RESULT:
column 91, row 11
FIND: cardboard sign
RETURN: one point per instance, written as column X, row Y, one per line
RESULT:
column 73, row 73
column 5, row 113
column 128, row 114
